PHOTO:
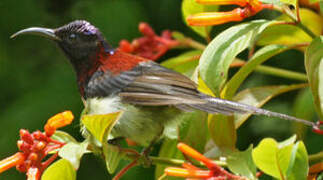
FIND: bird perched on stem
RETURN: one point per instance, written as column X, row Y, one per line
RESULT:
column 151, row 96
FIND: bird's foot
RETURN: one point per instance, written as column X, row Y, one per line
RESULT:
column 146, row 161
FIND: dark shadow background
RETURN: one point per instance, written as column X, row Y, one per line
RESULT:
column 37, row 81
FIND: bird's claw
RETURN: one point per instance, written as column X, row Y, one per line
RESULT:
column 146, row 161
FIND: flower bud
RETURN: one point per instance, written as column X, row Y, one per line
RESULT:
column 26, row 136
column 215, row 18
column 33, row 157
column 40, row 145
column 23, row 146
column 58, row 121
column 39, row 136
column 146, row 30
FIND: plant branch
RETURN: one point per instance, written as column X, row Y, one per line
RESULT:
column 192, row 43
column 315, row 157
column 281, row 73
column 274, row 71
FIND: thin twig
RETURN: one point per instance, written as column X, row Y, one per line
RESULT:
column 315, row 157
column 274, row 71
column 125, row 169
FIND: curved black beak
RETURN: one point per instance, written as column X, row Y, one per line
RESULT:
column 45, row 32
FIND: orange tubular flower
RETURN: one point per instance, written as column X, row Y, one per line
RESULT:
column 58, row 121
column 34, row 147
column 251, row 7
column 150, row 46
column 190, row 171
column 215, row 18
column 11, row 161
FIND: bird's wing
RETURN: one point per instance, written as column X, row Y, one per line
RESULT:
column 157, row 85
column 150, row 84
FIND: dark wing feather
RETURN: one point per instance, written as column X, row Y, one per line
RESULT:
column 160, row 86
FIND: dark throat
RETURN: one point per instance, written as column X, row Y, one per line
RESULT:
column 86, row 67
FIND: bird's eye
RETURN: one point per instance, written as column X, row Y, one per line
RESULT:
column 72, row 36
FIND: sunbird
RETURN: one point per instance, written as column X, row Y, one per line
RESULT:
column 150, row 96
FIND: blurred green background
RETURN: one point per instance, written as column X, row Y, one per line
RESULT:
column 37, row 81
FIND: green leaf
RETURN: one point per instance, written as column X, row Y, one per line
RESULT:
column 184, row 63
column 241, row 163
column 258, row 58
column 258, row 97
column 298, row 166
column 303, row 108
column 61, row 169
column 314, row 66
column 100, row 125
column 220, row 53
column 190, row 7
column 274, row 158
column 62, row 136
column 291, row 34
column 168, row 150
column 194, row 131
column 112, row 155
column 222, row 131
column 73, row 152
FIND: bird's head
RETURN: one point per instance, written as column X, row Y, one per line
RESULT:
column 80, row 40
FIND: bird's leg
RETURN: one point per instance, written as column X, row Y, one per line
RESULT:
column 146, row 151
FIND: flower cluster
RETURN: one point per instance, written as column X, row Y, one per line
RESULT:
column 250, row 8
column 150, row 46
column 214, row 172
column 34, row 147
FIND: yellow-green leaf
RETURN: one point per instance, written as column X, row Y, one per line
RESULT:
column 61, row 169
column 100, row 125
column 298, row 166
column 73, row 152
column 314, row 69
column 291, row 34
column 63, row 137
column 273, row 158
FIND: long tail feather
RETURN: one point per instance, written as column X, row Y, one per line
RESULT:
column 217, row 105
